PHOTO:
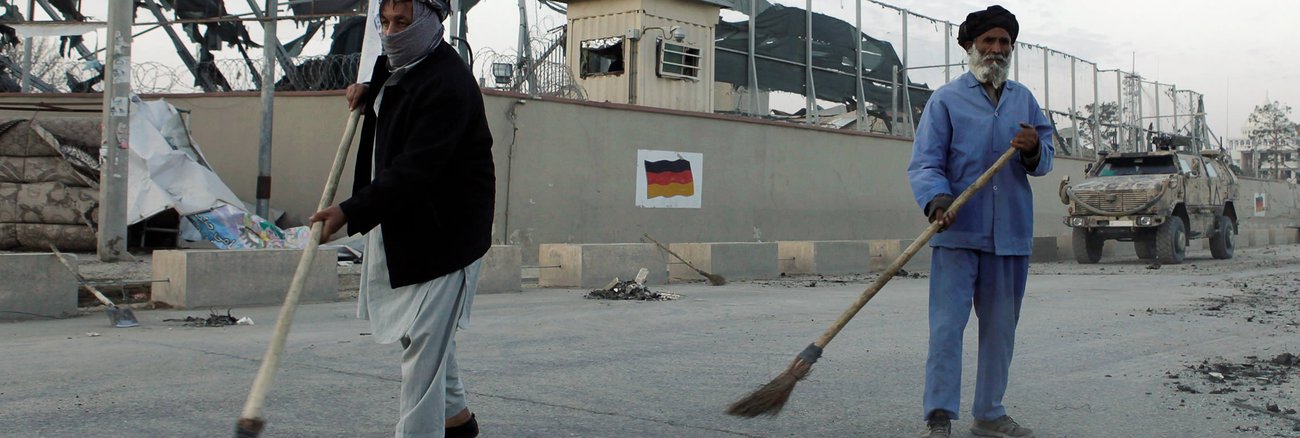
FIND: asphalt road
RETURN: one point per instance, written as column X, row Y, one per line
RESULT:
column 1102, row 351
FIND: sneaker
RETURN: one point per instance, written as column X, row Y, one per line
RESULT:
column 1003, row 427
column 938, row 426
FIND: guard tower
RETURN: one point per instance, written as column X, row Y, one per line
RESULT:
column 646, row 52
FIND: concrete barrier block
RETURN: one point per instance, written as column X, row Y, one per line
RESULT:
column 733, row 260
column 1044, row 250
column 920, row 261
column 36, row 285
column 883, row 253
column 824, row 257
column 591, row 266
column 1258, row 237
column 225, row 278
column 501, row 270
column 1276, row 236
column 1065, row 248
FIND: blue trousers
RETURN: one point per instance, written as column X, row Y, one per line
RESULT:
column 994, row 285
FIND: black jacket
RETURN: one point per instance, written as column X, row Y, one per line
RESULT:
column 434, row 187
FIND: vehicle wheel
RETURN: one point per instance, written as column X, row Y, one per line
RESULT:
column 1087, row 247
column 1171, row 241
column 1145, row 247
column 1222, row 244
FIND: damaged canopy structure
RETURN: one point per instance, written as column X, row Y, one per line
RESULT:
column 209, row 28
column 780, row 51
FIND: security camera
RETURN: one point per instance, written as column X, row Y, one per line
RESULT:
column 678, row 34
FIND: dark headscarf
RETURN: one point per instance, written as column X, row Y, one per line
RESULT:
column 982, row 21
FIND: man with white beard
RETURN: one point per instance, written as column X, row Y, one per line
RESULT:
column 980, row 258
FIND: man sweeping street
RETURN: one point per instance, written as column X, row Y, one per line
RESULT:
column 981, row 258
column 423, row 194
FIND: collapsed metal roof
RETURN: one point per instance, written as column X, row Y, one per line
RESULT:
column 781, row 50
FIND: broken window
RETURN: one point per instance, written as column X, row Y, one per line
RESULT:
column 678, row 61
column 602, row 56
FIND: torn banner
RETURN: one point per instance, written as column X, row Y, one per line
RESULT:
column 169, row 171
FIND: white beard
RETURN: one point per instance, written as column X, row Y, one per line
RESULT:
column 988, row 69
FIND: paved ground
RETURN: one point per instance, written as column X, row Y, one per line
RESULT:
column 1114, row 349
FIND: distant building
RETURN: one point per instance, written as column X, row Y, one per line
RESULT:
column 1259, row 160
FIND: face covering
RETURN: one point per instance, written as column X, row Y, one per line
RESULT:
column 417, row 40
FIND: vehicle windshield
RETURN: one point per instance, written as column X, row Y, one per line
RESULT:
column 1120, row 166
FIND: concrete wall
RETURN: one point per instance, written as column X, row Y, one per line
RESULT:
column 566, row 171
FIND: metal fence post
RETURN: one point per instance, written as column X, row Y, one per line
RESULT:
column 1074, row 105
column 809, row 89
column 1096, row 110
column 1047, row 90
column 753, row 64
column 857, row 37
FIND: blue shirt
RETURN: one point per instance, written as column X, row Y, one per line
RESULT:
column 961, row 133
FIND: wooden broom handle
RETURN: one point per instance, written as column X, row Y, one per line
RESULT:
column 911, row 251
column 271, row 360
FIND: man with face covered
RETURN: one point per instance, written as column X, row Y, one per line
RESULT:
column 980, row 258
column 423, row 194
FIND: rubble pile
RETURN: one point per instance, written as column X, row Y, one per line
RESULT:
column 213, row 320
column 630, row 290
column 1259, row 385
column 1251, row 375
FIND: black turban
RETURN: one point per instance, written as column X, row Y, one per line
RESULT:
column 982, row 21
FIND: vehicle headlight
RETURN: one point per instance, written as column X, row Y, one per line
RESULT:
column 1144, row 221
column 1076, row 222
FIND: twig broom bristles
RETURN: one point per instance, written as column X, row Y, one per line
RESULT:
column 771, row 398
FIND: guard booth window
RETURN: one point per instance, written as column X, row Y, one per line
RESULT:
column 602, row 56
column 678, row 61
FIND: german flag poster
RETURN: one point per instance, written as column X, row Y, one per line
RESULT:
column 668, row 179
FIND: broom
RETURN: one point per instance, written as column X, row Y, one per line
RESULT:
column 770, row 398
column 250, row 422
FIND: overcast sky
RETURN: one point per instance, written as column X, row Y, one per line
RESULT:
column 1235, row 53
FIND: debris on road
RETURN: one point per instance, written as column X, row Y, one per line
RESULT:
column 213, row 320
column 629, row 290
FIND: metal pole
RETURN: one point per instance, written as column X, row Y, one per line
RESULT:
column 1015, row 62
column 1140, row 144
column 1047, row 90
column 1096, row 109
column 526, row 49
column 1074, row 104
column 1119, row 100
column 902, row 79
column 904, row 52
column 1157, row 97
column 458, row 30
column 26, row 86
column 893, row 109
column 1173, row 98
column 947, row 52
column 268, row 111
column 111, row 236
column 633, row 60
column 809, row 89
column 857, row 37
column 285, row 61
column 753, row 63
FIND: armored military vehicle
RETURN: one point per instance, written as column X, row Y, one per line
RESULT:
column 1159, row 200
